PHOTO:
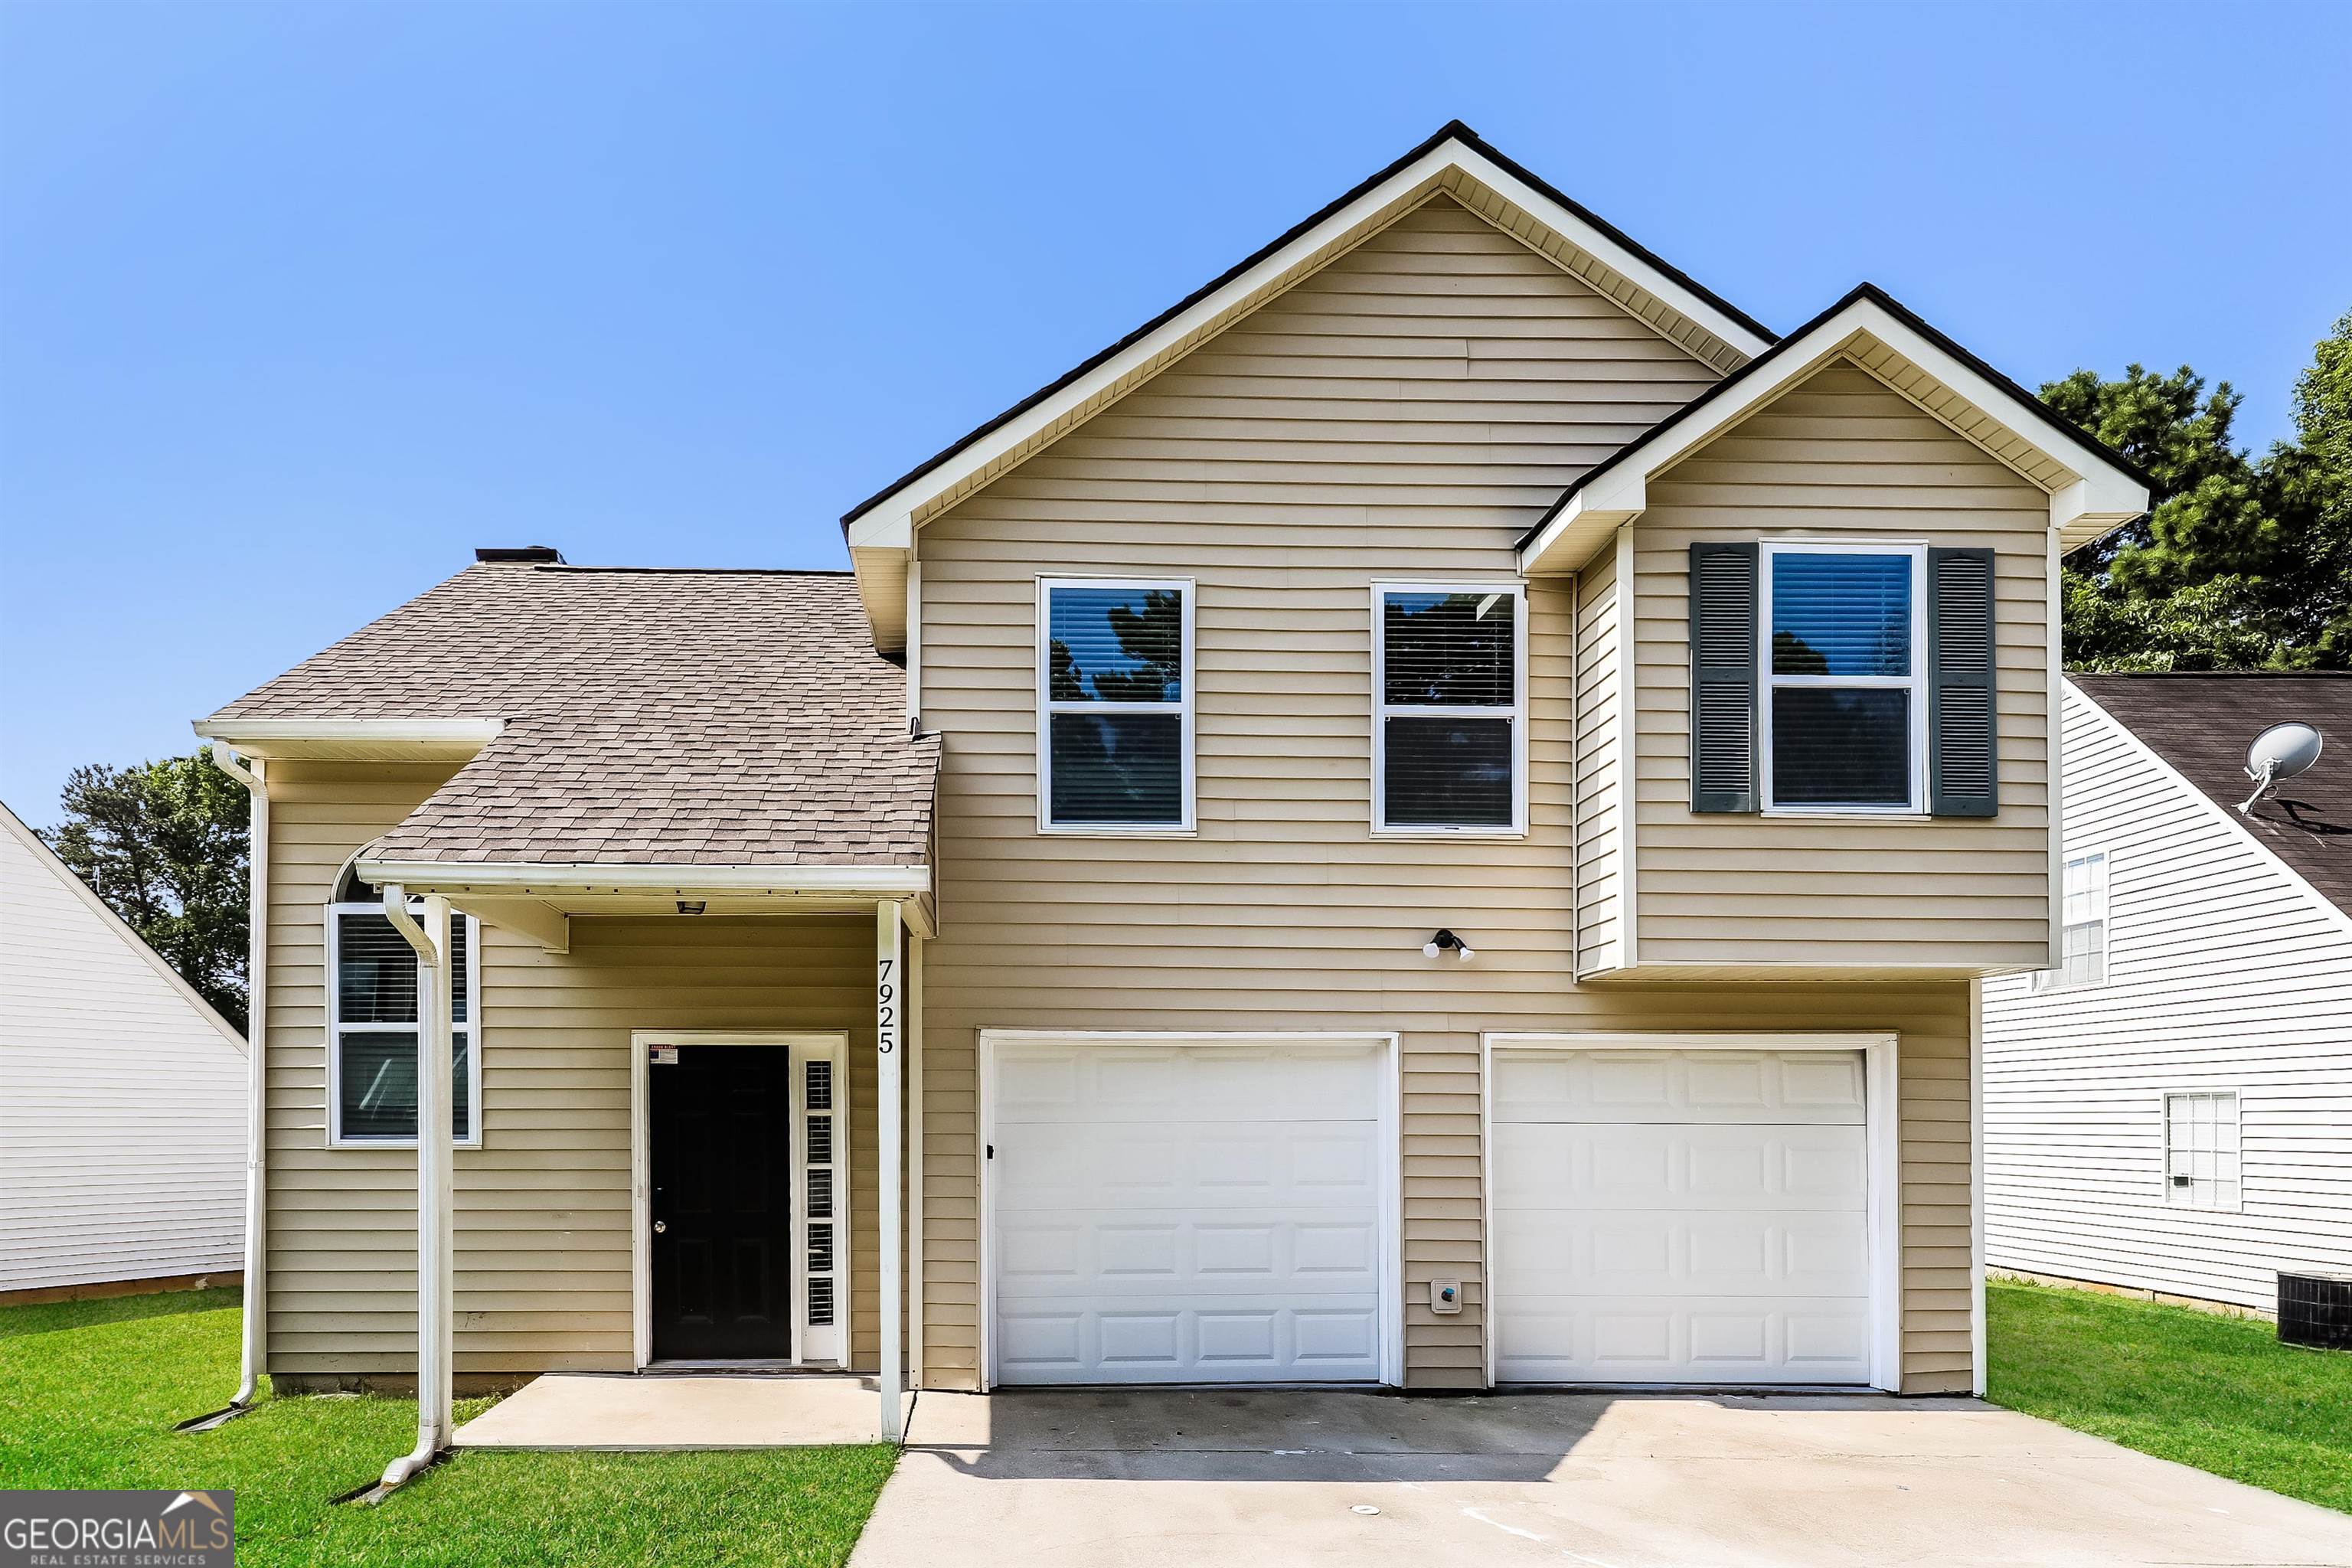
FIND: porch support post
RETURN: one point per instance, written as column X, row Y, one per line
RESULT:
column 915, row 1300
column 435, row 1045
column 889, row 990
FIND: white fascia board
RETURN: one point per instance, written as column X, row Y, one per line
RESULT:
column 523, row 876
column 2103, row 492
column 2093, row 505
column 256, row 736
column 887, row 523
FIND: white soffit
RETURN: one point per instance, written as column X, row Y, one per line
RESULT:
column 355, row 739
column 2089, row 493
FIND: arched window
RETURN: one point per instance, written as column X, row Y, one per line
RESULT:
column 371, row 1021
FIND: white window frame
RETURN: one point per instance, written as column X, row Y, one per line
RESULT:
column 2237, row 1125
column 1916, row 683
column 2050, row 980
column 1047, row 708
column 1516, row 590
column 336, row 1028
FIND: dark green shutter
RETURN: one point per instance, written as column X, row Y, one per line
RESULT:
column 1723, row 678
column 1962, row 772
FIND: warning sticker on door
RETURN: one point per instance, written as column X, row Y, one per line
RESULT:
column 664, row 1056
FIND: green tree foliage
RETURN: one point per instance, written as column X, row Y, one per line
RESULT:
column 164, row 844
column 2243, row 563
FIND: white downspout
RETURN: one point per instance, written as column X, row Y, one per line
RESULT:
column 434, row 1407
column 253, row 775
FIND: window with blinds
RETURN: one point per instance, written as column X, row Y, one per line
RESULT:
column 1115, row 698
column 1449, row 723
column 1843, row 717
column 371, row 1022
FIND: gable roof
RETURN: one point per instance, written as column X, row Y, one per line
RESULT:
column 1456, row 162
column 118, row 927
column 2093, row 489
column 2200, row 725
column 627, row 717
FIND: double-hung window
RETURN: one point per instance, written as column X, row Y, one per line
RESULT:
column 371, row 1022
column 1844, row 720
column 2083, row 942
column 2202, row 1149
column 1114, row 702
column 1449, row 708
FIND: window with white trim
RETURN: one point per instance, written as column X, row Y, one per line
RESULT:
column 2082, row 940
column 1843, row 630
column 1115, row 705
column 371, row 1022
column 2201, row 1149
column 1449, row 708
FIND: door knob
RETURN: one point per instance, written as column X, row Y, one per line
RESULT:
column 659, row 1229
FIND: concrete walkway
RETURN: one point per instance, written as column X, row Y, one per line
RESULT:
column 1073, row 1479
column 566, row 1410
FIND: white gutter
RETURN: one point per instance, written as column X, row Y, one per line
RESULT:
column 434, row 1261
column 254, row 1360
column 246, row 733
column 532, row 877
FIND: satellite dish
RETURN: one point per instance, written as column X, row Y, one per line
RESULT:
column 2277, row 754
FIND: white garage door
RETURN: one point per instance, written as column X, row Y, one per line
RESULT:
column 1186, row 1213
column 1680, row 1217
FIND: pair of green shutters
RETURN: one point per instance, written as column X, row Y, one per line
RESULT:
column 1962, row 769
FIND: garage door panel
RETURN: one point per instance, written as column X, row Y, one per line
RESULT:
column 1561, row 1252
column 1706, row 1167
column 1636, row 1339
column 1671, row 1086
column 1173, row 1212
column 1666, row 1215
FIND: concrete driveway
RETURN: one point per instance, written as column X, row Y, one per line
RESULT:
column 1237, row 1479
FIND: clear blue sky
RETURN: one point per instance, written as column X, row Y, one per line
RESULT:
column 300, row 304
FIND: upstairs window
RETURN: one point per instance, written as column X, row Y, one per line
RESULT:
column 2201, row 1150
column 2083, row 942
column 1115, row 698
column 1843, row 719
column 371, row 1022
column 1449, row 722
column 1844, row 678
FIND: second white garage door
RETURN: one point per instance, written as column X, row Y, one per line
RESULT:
column 1680, row 1217
column 1170, row 1212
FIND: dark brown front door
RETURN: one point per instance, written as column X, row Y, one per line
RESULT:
column 720, row 1124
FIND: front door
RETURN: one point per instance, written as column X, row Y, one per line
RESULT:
column 720, row 1125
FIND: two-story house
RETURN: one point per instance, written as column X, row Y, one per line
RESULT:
column 1432, row 816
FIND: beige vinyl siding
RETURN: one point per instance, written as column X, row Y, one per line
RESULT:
column 2223, row 973
column 1839, row 456
column 1405, row 414
column 121, row 1097
column 543, row 1207
column 1603, row 886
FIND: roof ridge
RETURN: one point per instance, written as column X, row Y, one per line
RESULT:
column 706, row 571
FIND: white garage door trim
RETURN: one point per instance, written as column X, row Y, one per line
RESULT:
column 1881, row 1137
column 1390, row 1177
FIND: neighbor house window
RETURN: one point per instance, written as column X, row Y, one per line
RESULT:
column 1449, row 708
column 2083, row 941
column 1843, row 715
column 371, row 1021
column 2201, row 1149
column 1115, row 695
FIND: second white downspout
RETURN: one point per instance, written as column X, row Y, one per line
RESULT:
column 434, row 1385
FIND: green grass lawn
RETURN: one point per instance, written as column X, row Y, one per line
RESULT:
column 2221, row 1393
column 88, row 1390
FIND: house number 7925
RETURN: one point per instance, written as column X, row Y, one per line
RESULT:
column 886, row 1014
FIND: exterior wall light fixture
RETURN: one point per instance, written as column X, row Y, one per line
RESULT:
column 1444, row 941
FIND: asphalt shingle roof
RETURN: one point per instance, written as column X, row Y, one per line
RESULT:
column 651, row 717
column 2201, row 723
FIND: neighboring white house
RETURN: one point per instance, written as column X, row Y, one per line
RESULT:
column 2172, row 1110
column 121, row 1095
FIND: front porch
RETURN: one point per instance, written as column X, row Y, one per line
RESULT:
column 652, row 1413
